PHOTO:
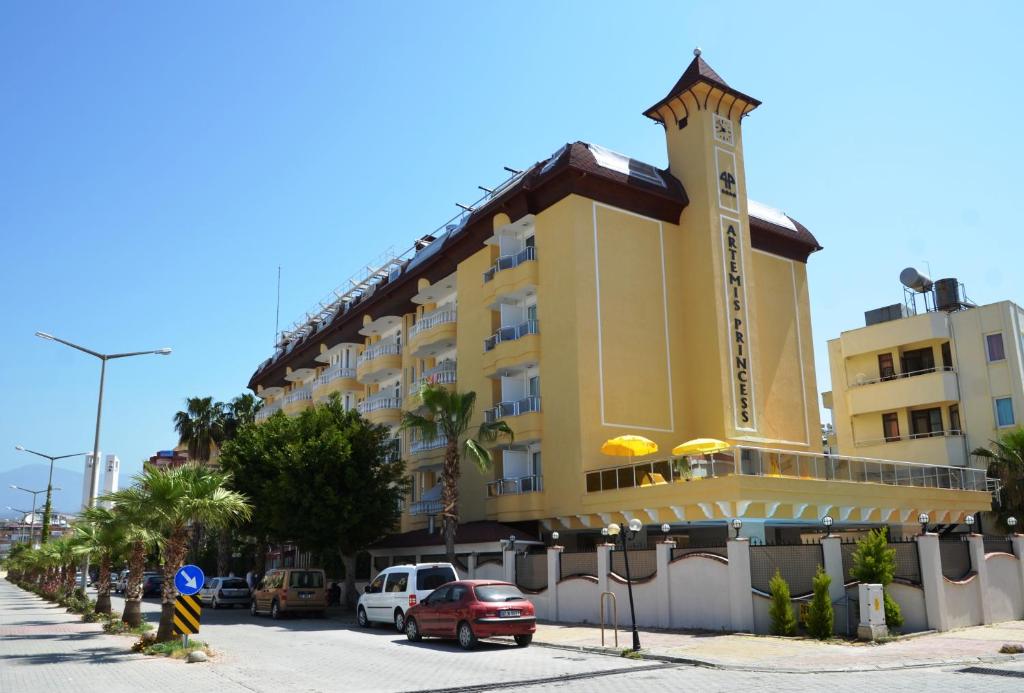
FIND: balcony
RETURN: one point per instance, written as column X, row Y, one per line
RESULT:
column 420, row 446
column 425, row 507
column 507, row 262
column 510, row 274
column 441, row 374
column 336, row 379
column 298, row 400
column 379, row 361
column 268, row 410
column 381, row 409
column 903, row 390
column 917, row 329
column 511, row 333
column 433, row 332
column 515, row 487
column 517, row 407
column 941, row 447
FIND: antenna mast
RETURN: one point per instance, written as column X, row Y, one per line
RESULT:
column 277, row 311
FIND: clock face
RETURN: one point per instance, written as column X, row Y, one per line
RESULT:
column 723, row 129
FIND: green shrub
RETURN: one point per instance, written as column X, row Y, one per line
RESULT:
column 820, row 618
column 781, row 608
column 874, row 563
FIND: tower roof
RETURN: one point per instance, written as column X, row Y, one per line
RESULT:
column 698, row 72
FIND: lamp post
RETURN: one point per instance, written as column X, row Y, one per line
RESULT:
column 827, row 521
column 615, row 532
column 23, row 514
column 94, row 482
column 665, row 529
column 48, row 508
column 969, row 521
column 737, row 524
column 554, row 538
column 923, row 519
column 1011, row 522
column 32, row 523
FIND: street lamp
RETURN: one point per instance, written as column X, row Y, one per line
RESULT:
column 94, row 482
column 48, row 508
column 23, row 514
column 923, row 519
column 665, row 528
column 969, row 520
column 554, row 538
column 32, row 527
column 737, row 524
column 827, row 521
column 615, row 532
column 1011, row 522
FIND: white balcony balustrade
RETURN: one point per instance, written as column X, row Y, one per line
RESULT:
column 506, row 262
column 514, row 408
column 510, row 333
column 433, row 319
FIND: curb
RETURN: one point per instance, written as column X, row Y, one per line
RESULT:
column 612, row 652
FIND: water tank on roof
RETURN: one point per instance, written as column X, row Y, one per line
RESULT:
column 912, row 279
column 947, row 294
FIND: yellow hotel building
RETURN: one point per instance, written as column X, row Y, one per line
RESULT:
column 593, row 295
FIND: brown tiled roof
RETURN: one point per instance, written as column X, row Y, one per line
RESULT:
column 697, row 71
column 481, row 532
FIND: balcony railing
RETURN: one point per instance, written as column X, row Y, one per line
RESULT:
column 893, row 375
column 379, row 349
column 424, row 445
column 333, row 373
column 505, row 409
column 425, row 507
column 443, row 374
column 912, row 436
column 433, row 319
column 509, row 261
column 303, row 394
column 764, row 462
column 377, row 403
column 268, row 410
column 512, row 332
column 514, row 487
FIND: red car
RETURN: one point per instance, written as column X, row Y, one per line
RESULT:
column 472, row 609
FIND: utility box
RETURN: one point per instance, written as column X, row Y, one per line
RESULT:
column 872, row 613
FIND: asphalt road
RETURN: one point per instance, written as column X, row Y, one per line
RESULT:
column 43, row 649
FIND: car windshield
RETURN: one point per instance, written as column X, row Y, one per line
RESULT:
column 432, row 578
column 306, row 578
column 498, row 593
column 234, row 584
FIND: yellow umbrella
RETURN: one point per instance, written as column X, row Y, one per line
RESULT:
column 700, row 446
column 629, row 446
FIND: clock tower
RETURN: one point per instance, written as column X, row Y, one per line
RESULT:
column 701, row 116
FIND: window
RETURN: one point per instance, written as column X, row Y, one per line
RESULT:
column 916, row 361
column 530, row 242
column 954, row 418
column 926, row 422
column 397, row 582
column 376, row 586
column 531, row 313
column 535, row 386
column 498, row 593
column 1004, row 412
column 947, row 356
column 306, row 579
column 891, row 426
column 535, row 463
column 438, row 596
column 886, row 369
column 432, row 578
column 456, row 593
column 994, row 343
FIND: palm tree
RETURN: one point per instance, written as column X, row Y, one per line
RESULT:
column 174, row 500
column 447, row 414
column 1006, row 462
column 239, row 412
column 101, row 534
column 200, row 426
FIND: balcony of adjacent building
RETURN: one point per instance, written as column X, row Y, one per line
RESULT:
column 929, row 433
column 298, row 400
column 443, row 373
column 379, row 361
column 916, row 329
column 905, row 377
column 382, row 408
column 433, row 333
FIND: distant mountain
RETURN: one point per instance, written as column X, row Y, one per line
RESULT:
column 33, row 476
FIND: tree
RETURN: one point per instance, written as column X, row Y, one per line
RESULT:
column 101, row 535
column 175, row 499
column 781, row 608
column 448, row 414
column 874, row 563
column 820, row 617
column 200, row 427
column 239, row 412
column 1006, row 463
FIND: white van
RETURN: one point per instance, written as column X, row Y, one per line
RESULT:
column 398, row 588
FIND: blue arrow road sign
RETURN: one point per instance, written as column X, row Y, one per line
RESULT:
column 189, row 579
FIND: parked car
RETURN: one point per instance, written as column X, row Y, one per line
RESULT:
column 290, row 590
column 397, row 589
column 152, row 584
column 225, row 591
column 120, row 583
column 472, row 609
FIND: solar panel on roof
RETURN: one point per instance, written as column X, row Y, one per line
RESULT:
column 606, row 158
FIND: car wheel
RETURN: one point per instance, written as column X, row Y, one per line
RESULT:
column 399, row 621
column 275, row 610
column 523, row 640
column 252, row 607
column 361, row 618
column 412, row 631
column 467, row 640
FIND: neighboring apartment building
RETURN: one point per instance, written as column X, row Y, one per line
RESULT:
column 928, row 386
column 26, row 529
column 594, row 295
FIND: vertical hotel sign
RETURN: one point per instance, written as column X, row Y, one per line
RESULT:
column 734, row 276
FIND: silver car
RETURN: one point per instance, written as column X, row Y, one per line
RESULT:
column 225, row 591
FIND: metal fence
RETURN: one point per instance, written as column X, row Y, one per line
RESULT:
column 908, row 564
column 578, row 564
column 797, row 563
column 532, row 571
column 998, row 545
column 642, row 564
column 955, row 554
column 690, row 550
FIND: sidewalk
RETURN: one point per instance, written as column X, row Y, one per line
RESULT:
column 772, row 654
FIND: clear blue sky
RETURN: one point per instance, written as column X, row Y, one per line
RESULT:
column 159, row 162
